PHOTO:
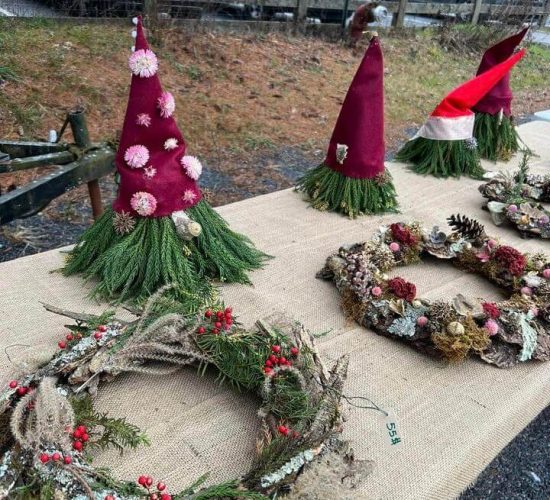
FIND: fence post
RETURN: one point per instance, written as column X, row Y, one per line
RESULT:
column 399, row 17
column 546, row 13
column 150, row 9
column 301, row 12
column 477, row 11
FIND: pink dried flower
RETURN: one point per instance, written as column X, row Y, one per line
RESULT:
column 546, row 273
column 422, row 321
column 166, row 104
column 526, row 291
column 143, row 63
column 189, row 196
column 143, row 119
column 491, row 326
column 376, row 291
column 394, row 247
column 149, row 172
column 144, row 203
column 192, row 166
column 171, row 143
column 512, row 208
column 136, row 156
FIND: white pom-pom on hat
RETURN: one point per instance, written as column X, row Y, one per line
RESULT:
column 134, row 20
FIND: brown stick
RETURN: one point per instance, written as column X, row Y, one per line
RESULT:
column 95, row 198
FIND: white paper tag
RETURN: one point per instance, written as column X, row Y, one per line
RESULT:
column 392, row 430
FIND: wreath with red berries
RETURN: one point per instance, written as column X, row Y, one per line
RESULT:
column 504, row 334
column 49, row 424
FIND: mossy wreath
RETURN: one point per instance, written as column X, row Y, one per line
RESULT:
column 48, row 423
column 515, row 198
column 504, row 333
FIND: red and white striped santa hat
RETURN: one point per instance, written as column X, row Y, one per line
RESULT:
column 453, row 118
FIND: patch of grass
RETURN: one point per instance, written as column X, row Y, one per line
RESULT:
column 255, row 142
column 6, row 73
column 194, row 72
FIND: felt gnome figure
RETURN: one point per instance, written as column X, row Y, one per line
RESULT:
column 494, row 130
column 353, row 179
column 444, row 146
column 160, row 231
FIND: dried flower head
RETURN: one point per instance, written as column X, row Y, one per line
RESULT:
column 144, row 203
column 170, row 144
column 192, row 166
column 143, row 119
column 166, row 104
column 189, row 196
column 136, row 156
column 149, row 172
column 341, row 153
column 123, row 222
column 143, row 63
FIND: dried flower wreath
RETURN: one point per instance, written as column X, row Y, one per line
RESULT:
column 503, row 333
column 48, row 421
column 516, row 198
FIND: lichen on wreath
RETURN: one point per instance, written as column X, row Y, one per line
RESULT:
column 515, row 197
column 504, row 333
column 48, row 421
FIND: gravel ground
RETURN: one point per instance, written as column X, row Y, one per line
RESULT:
column 520, row 472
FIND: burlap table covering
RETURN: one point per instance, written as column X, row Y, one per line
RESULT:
column 453, row 419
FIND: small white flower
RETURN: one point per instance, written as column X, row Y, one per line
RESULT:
column 136, row 156
column 189, row 196
column 341, row 153
column 149, row 172
column 143, row 63
column 192, row 166
column 170, row 144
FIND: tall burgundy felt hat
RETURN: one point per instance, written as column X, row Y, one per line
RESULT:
column 156, row 178
column 500, row 96
column 453, row 119
column 356, row 147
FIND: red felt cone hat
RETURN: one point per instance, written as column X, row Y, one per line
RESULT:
column 453, row 118
column 500, row 96
column 356, row 148
column 156, row 178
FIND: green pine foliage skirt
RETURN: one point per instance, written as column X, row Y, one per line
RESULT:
column 330, row 190
column 442, row 158
column 496, row 136
column 133, row 266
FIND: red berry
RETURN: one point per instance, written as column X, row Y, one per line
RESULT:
column 283, row 430
column 62, row 344
column 69, row 337
column 276, row 349
column 294, row 351
column 201, row 329
column 109, row 497
column 13, row 384
column 295, row 434
column 67, row 459
column 56, row 457
column 208, row 313
column 77, row 445
column 228, row 310
column 21, row 391
column 282, row 360
column 229, row 321
column 77, row 434
column 44, row 458
column 165, row 496
column 273, row 359
column 82, row 429
column 85, row 437
column 102, row 328
column 219, row 314
column 161, row 486
column 142, row 480
column 97, row 335
column 268, row 363
column 268, row 371
column 78, row 336
column 153, row 496
column 217, row 324
column 149, row 481
column 215, row 331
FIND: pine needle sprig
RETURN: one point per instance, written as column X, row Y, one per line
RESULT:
column 112, row 432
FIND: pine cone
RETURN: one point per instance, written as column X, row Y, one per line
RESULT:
column 468, row 228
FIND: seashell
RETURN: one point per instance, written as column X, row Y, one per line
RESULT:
column 398, row 306
column 497, row 211
column 467, row 306
column 455, row 328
